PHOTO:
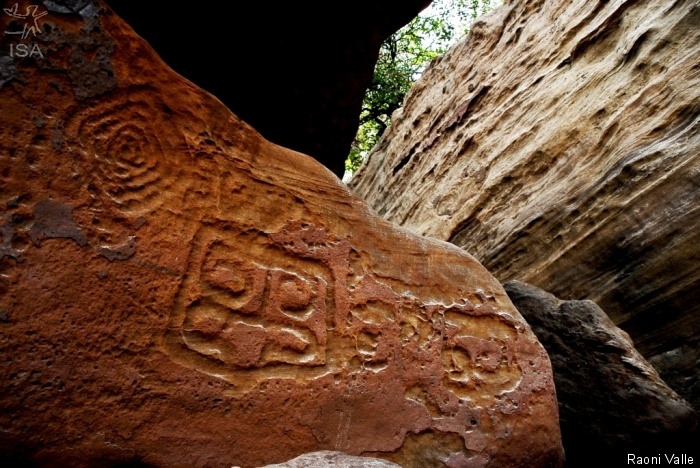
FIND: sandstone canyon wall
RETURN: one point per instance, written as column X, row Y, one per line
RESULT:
column 177, row 291
column 559, row 144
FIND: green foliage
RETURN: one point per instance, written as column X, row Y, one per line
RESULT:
column 402, row 59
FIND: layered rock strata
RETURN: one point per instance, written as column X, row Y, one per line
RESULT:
column 175, row 290
column 559, row 145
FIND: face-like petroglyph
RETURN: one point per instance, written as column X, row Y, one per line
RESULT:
column 478, row 354
column 260, row 306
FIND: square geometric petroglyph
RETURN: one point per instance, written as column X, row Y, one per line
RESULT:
column 249, row 312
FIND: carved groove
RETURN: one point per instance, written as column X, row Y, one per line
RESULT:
column 116, row 143
column 281, row 308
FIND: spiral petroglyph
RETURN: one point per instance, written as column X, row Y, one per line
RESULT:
column 138, row 169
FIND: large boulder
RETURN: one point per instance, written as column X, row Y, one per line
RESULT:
column 559, row 144
column 296, row 71
column 177, row 291
column 609, row 396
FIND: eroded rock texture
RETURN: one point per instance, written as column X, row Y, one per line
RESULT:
column 559, row 144
column 609, row 396
column 296, row 71
column 177, row 291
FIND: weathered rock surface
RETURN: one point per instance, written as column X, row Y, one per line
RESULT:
column 177, row 291
column 328, row 458
column 296, row 71
column 559, row 145
column 609, row 396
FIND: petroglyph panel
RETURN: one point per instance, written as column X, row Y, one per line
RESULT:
column 166, row 270
column 256, row 306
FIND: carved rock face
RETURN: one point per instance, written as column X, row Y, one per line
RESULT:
column 177, row 290
column 559, row 145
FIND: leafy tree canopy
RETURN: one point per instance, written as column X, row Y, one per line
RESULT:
column 402, row 59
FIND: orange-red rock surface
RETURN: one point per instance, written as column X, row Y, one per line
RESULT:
column 177, row 291
column 559, row 144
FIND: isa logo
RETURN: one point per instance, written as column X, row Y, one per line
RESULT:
column 24, row 25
